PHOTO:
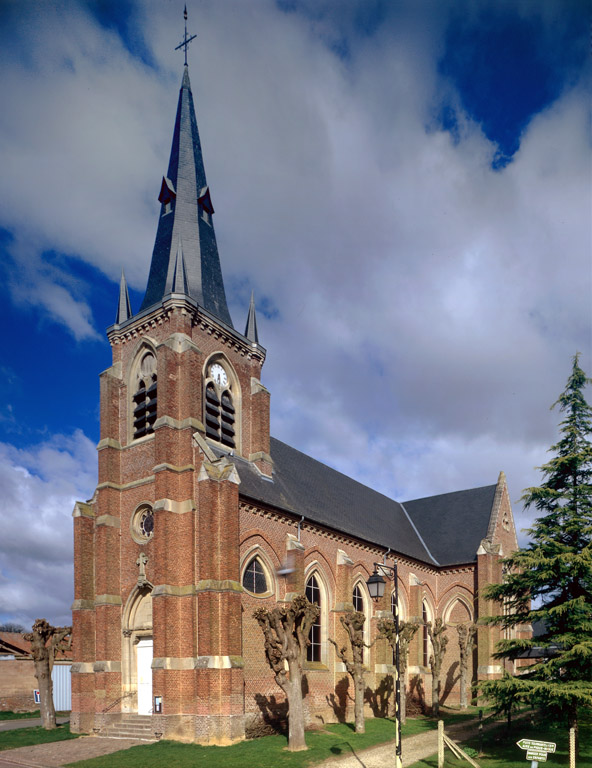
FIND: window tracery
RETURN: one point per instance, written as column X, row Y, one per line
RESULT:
column 254, row 579
column 142, row 524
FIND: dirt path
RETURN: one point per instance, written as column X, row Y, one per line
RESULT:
column 414, row 748
column 59, row 753
column 12, row 725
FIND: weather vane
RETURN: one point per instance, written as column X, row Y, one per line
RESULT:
column 186, row 40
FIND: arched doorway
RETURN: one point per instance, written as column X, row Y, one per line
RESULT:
column 137, row 652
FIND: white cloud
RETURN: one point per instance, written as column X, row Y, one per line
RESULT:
column 39, row 488
column 427, row 306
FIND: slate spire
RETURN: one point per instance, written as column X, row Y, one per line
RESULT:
column 251, row 327
column 124, row 310
column 186, row 215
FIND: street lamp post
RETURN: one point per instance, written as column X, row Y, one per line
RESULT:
column 376, row 584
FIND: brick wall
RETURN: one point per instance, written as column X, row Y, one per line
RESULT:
column 17, row 683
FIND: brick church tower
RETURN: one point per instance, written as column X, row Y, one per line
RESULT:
column 157, row 610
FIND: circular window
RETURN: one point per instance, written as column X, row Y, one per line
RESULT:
column 143, row 525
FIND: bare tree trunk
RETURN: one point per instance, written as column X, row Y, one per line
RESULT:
column 45, row 641
column 359, row 684
column 466, row 639
column 293, row 690
column 435, row 691
column 43, row 675
column 439, row 643
column 353, row 621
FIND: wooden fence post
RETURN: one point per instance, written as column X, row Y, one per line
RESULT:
column 572, row 748
column 440, row 743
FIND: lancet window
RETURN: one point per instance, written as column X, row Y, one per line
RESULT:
column 357, row 599
column 313, row 595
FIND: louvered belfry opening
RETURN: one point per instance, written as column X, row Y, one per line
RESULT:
column 227, row 422
column 212, row 412
column 145, row 398
column 220, row 416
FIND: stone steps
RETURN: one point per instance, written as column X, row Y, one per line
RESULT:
column 137, row 727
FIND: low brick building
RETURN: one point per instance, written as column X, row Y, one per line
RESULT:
column 17, row 675
column 199, row 517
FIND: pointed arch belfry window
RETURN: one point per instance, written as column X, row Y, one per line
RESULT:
column 220, row 410
column 144, row 399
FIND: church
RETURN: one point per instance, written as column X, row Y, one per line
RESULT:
column 200, row 517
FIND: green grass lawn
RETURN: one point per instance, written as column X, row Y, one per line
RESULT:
column 25, row 715
column 501, row 751
column 268, row 752
column 27, row 737
column 19, row 715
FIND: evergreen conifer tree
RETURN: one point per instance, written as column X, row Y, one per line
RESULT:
column 550, row 580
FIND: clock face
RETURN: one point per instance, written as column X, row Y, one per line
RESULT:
column 219, row 375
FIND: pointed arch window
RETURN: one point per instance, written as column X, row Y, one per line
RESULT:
column 357, row 599
column 220, row 412
column 144, row 401
column 313, row 595
column 425, row 637
column 361, row 605
column 254, row 579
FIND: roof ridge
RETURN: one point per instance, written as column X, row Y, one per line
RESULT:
column 451, row 493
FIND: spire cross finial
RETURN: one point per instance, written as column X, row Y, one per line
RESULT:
column 186, row 40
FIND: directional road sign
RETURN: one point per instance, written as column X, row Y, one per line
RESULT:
column 536, row 750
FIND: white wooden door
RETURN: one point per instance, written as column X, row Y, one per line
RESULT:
column 144, row 655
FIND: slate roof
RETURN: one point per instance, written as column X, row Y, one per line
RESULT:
column 453, row 524
column 303, row 486
column 188, row 226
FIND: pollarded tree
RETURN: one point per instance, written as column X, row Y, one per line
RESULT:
column 46, row 641
column 407, row 630
column 354, row 621
column 550, row 580
column 286, row 629
column 466, row 641
column 439, row 640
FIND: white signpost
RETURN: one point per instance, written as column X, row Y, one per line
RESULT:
column 536, row 750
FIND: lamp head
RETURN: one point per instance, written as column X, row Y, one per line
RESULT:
column 376, row 585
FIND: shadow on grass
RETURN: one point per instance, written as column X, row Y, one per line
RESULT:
column 339, row 751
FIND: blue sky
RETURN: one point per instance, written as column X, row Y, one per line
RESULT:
column 404, row 185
